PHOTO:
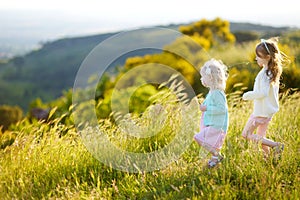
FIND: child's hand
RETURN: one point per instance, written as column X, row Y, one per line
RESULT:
column 246, row 95
column 203, row 107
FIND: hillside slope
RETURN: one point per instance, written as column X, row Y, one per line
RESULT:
column 46, row 72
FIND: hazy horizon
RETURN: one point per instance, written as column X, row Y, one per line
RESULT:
column 26, row 24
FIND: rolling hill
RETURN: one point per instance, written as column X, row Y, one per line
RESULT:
column 46, row 72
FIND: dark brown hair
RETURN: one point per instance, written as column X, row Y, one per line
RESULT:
column 270, row 48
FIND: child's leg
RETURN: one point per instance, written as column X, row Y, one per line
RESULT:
column 216, row 156
column 266, row 143
column 261, row 124
column 262, row 131
column 260, row 136
column 209, row 148
column 213, row 151
column 211, row 139
column 249, row 128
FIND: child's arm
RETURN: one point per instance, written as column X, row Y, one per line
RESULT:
column 259, row 92
column 203, row 107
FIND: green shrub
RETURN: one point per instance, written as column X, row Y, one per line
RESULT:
column 9, row 115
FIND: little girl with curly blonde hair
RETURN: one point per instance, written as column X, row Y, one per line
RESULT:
column 214, row 119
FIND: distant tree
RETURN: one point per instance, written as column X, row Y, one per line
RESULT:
column 18, row 62
column 209, row 33
column 246, row 36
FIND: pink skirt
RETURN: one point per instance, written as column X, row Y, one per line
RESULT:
column 210, row 136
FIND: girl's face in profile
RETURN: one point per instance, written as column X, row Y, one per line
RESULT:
column 203, row 81
column 204, row 78
column 262, row 61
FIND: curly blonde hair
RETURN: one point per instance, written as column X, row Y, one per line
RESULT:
column 216, row 73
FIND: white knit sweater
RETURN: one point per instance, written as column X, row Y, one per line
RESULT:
column 264, row 95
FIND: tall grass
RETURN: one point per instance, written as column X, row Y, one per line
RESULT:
column 43, row 163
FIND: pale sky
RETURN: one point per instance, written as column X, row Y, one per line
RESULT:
column 64, row 18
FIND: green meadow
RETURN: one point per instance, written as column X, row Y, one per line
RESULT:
column 147, row 152
column 43, row 163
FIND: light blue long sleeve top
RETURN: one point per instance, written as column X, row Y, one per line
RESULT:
column 216, row 114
